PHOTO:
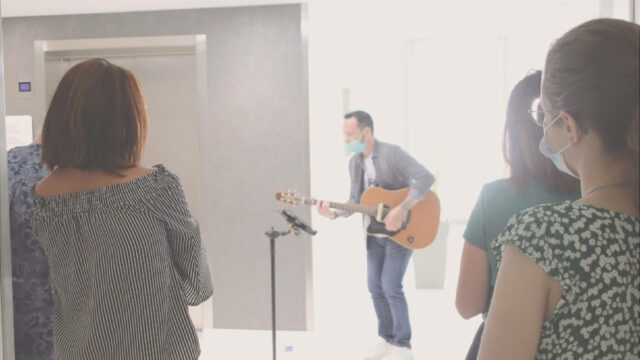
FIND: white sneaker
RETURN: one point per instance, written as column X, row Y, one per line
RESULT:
column 381, row 350
column 399, row 353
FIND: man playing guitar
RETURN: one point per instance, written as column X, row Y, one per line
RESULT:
column 376, row 163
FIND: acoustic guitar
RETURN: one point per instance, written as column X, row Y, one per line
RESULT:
column 418, row 230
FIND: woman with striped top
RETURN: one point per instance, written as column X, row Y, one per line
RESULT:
column 124, row 252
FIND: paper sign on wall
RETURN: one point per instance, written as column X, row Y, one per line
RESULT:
column 18, row 130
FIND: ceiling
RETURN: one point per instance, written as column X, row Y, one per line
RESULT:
column 15, row 8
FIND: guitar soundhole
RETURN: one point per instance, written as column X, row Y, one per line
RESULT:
column 410, row 239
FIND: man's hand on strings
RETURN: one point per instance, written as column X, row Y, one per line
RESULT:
column 395, row 218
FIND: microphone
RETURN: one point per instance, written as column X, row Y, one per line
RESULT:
column 296, row 222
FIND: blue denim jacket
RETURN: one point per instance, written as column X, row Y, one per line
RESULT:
column 395, row 169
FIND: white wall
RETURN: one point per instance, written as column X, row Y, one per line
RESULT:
column 364, row 46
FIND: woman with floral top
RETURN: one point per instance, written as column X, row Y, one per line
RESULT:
column 568, row 282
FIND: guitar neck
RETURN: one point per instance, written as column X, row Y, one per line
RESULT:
column 369, row 210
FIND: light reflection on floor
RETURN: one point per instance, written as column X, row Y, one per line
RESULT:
column 345, row 324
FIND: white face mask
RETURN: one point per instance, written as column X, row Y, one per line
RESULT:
column 557, row 158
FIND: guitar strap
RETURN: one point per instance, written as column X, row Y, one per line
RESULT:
column 365, row 218
column 362, row 189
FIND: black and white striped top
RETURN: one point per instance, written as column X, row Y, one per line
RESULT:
column 125, row 261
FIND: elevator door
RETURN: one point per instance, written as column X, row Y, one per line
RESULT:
column 170, row 91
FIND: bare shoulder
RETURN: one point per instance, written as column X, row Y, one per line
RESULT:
column 44, row 186
column 104, row 179
column 69, row 181
column 59, row 182
column 138, row 171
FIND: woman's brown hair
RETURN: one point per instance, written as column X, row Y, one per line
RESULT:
column 97, row 119
column 592, row 72
column 521, row 138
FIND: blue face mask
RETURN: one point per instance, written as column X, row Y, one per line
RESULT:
column 557, row 158
column 356, row 146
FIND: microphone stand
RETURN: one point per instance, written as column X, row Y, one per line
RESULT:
column 295, row 225
column 273, row 235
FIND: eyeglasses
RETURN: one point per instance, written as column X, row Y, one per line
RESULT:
column 539, row 115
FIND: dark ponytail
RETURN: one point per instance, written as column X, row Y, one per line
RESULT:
column 521, row 137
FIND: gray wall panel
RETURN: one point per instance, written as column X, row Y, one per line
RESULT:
column 254, row 142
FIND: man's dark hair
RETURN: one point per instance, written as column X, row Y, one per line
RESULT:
column 364, row 119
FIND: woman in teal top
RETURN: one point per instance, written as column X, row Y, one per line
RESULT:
column 533, row 180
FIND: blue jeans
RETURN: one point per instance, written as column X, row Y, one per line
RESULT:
column 386, row 265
